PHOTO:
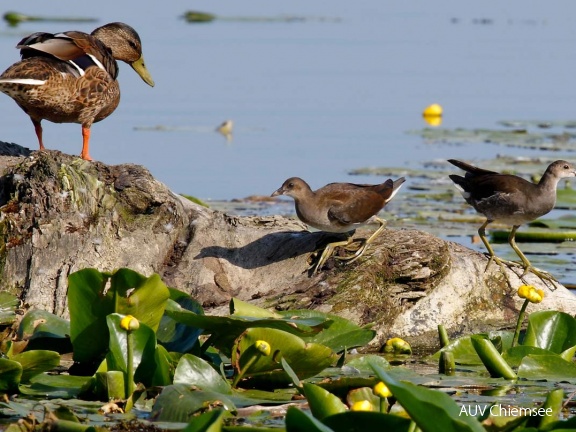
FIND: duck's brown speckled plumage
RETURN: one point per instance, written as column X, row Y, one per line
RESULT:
column 70, row 77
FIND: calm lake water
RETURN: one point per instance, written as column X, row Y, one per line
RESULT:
column 315, row 97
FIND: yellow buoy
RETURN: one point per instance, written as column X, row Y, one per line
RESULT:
column 434, row 110
column 433, row 114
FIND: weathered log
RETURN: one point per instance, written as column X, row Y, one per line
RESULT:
column 60, row 214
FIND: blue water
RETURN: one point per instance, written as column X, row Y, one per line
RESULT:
column 315, row 98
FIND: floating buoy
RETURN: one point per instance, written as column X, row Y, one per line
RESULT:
column 434, row 110
column 433, row 114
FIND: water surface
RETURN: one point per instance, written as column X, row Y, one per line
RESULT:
column 316, row 97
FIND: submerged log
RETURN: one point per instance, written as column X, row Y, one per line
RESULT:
column 60, row 214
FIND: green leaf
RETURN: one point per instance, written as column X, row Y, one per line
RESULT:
column 35, row 362
column 162, row 366
column 515, row 355
column 110, row 385
column 56, row 386
column 144, row 347
column 10, row 374
column 364, row 362
column 225, row 330
column 299, row 421
column 89, row 304
column 305, row 359
column 245, row 309
column 431, row 410
column 322, row 402
column 551, row 330
column 496, row 365
column 44, row 330
column 38, row 323
column 175, row 336
column 361, row 421
column 93, row 295
column 180, row 402
column 143, row 298
column 534, row 235
column 361, row 394
column 564, row 222
column 339, row 334
column 194, row 370
column 465, row 353
column 8, row 305
column 291, row 374
column 550, row 367
column 207, row 422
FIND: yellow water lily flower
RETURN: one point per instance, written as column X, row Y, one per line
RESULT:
column 263, row 347
column 382, row 390
column 397, row 345
column 362, row 405
column 129, row 323
column 531, row 293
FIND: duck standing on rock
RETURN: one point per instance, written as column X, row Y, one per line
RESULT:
column 511, row 200
column 340, row 208
column 70, row 77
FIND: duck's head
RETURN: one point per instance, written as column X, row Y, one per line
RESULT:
column 125, row 45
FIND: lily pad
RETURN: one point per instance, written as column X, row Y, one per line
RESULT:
column 144, row 351
column 339, row 334
column 175, row 336
column 181, row 402
column 360, row 421
column 550, row 367
column 210, row 421
column 35, row 362
column 8, row 305
column 225, row 330
column 322, row 402
column 193, row 370
column 514, row 355
column 300, row 421
column 56, row 386
column 10, row 374
column 534, row 235
column 305, row 359
column 93, row 295
column 551, row 330
column 464, row 352
column 424, row 404
column 45, row 330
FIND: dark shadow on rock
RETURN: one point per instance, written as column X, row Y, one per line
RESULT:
column 11, row 149
column 271, row 248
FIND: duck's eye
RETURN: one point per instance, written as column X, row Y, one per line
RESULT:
column 566, row 167
column 290, row 185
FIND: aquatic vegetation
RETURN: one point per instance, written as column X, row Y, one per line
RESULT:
column 158, row 353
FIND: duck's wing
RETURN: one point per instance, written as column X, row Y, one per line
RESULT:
column 79, row 49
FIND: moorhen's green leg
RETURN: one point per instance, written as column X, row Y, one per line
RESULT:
column 358, row 253
column 528, row 267
column 328, row 251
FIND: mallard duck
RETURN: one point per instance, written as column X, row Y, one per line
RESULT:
column 70, row 77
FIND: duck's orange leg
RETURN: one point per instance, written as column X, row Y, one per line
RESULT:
column 38, row 130
column 85, row 143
